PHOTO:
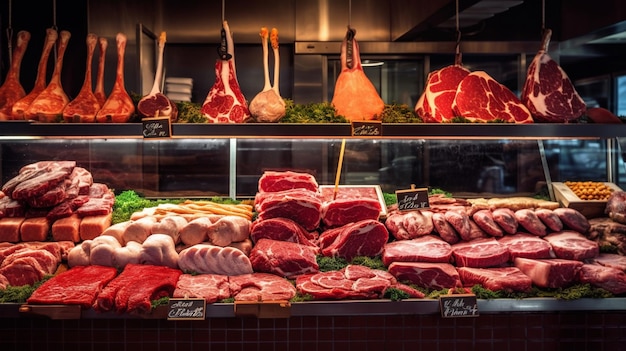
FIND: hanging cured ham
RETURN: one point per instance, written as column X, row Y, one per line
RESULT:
column 119, row 107
column 99, row 90
column 435, row 103
column 11, row 90
column 355, row 96
column 49, row 104
column 85, row 106
column 548, row 92
column 23, row 104
column 156, row 104
column 268, row 105
column 225, row 102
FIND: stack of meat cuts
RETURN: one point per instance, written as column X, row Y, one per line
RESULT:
column 29, row 262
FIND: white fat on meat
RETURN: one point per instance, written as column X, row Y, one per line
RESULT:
column 195, row 231
column 102, row 250
column 117, row 231
column 139, row 230
column 229, row 229
column 128, row 254
column 159, row 250
column 211, row 259
column 79, row 254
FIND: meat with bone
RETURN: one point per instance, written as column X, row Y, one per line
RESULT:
column 550, row 273
column 282, row 229
column 85, row 105
column 526, row 246
column 495, row 279
column 301, row 205
column 156, row 104
column 528, row 219
column 427, row 275
column 76, row 286
column 573, row 219
column 548, row 92
column 485, row 252
column 550, row 219
column 480, row 98
column 210, row 287
column 260, row 287
column 444, row 229
column 211, row 259
column 355, row 97
column 339, row 212
column 283, row 258
column 119, row 107
column 427, row 248
column 268, row 105
column 435, row 103
column 505, row 218
column 99, row 89
column 49, row 104
column 272, row 181
column 484, row 220
column 21, row 106
column 225, row 102
column 607, row 278
column 12, row 90
column 572, row 245
column 363, row 238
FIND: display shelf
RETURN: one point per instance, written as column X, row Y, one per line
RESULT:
column 335, row 130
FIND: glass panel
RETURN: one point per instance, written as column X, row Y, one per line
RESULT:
column 621, row 96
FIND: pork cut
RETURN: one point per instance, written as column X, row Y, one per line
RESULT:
column 225, row 102
column 479, row 253
column 484, row 220
column 85, row 105
column 12, row 90
column 272, row 181
column 550, row 219
column 210, row 287
column 355, row 97
column 480, row 98
column 211, row 259
column 268, row 105
column 49, row 104
column 496, row 279
column 22, row 104
column 301, row 205
column 548, row 92
column 607, row 278
column 526, row 245
column 549, row 273
column 435, row 276
column 505, row 219
column 76, row 286
column 363, row 238
column 427, row 248
column 339, row 212
column 610, row 260
column 44, row 177
column 460, row 221
column 616, row 206
column 528, row 219
column 285, row 259
column 573, row 219
column 119, row 107
column 572, row 245
column 282, row 229
column 260, row 287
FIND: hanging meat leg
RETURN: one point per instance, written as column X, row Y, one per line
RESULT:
column 119, row 107
column 99, row 90
column 12, row 90
column 85, row 106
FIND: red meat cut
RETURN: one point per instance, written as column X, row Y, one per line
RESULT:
column 528, row 219
column 85, row 105
column 495, row 279
column 572, row 245
column 282, row 229
column 480, row 98
column 548, row 92
column 77, row 286
column 424, row 249
column 434, row 276
column 444, row 229
column 505, row 218
column 225, row 102
column 573, row 219
column 607, row 278
column 479, row 253
column 550, row 219
column 285, row 259
column 118, row 107
column 363, row 238
column 351, row 282
column 300, row 205
column 435, row 103
column 260, row 287
column 210, row 287
column 526, row 245
column 272, row 181
column 484, row 220
column 549, row 273
column 339, row 212
column 12, row 90
column 610, row 260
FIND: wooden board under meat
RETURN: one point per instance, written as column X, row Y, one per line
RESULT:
column 589, row 208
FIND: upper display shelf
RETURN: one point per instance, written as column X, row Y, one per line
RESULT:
column 16, row 129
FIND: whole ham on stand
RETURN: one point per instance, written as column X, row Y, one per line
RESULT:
column 11, row 90
column 268, row 105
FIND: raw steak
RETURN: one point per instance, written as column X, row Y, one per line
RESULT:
column 260, row 287
column 610, row 260
column 424, row 249
column 282, row 229
column 339, row 212
column 606, row 231
column 505, row 218
column 484, row 220
column 210, row 287
column 272, row 181
column 526, row 246
column 435, row 276
column 355, row 97
column 23, row 271
column 479, row 253
column 529, row 221
column 572, row 245
column 550, row 273
column 460, row 221
column 444, row 229
column 225, row 102
column 352, row 282
column 607, row 278
column 504, row 278
column 47, row 261
column 77, row 286
column 480, row 98
column 301, row 205
column 363, row 238
column 548, row 92
column 435, row 103
column 283, row 258
column 573, row 219
column 550, row 219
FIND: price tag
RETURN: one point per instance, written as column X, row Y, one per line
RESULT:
column 412, row 199
column 458, row 305
column 186, row 309
column 158, row 127
column 367, row 128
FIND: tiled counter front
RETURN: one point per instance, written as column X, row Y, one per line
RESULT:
column 516, row 331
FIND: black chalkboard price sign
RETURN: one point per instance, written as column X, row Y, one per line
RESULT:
column 412, row 199
column 186, row 309
column 158, row 127
column 458, row 305
column 367, row 128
